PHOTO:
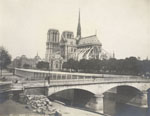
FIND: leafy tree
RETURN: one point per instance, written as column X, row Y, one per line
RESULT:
column 119, row 66
column 72, row 64
column 129, row 66
column 145, row 66
column 42, row 65
column 110, row 65
column 26, row 66
column 104, row 65
column 83, row 65
column 65, row 65
column 75, row 65
column 5, row 58
column 92, row 65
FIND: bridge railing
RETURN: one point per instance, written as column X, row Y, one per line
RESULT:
column 44, row 83
column 30, row 74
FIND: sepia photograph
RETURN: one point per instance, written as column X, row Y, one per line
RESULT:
column 74, row 57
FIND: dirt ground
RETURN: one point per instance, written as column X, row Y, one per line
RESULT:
column 11, row 107
column 69, row 111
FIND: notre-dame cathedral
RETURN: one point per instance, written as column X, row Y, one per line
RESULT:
column 70, row 46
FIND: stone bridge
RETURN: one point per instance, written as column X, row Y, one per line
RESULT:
column 96, row 90
column 98, row 86
column 128, row 90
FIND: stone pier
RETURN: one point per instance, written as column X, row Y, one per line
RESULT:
column 96, row 103
column 144, row 99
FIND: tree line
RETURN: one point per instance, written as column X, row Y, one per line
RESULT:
column 127, row 66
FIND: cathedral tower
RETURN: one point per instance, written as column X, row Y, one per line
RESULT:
column 52, row 44
column 67, row 45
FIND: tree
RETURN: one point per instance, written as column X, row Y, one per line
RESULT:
column 131, row 65
column 42, row 65
column 26, row 66
column 71, row 64
column 145, row 66
column 83, row 65
column 111, row 66
column 5, row 58
column 92, row 65
column 127, row 66
column 65, row 65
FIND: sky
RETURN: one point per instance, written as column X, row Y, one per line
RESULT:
column 122, row 26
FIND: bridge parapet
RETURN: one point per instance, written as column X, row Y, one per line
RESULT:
column 51, row 75
column 46, row 83
column 96, row 86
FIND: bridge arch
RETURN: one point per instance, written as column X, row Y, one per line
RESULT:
column 106, row 87
column 72, row 89
column 124, row 86
column 73, row 97
column 60, row 89
column 99, row 88
column 123, row 94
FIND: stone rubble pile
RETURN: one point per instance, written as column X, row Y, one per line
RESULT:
column 40, row 104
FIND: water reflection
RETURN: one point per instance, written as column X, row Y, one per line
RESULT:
column 128, row 110
column 120, row 110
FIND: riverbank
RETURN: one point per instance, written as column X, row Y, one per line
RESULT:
column 13, row 108
column 70, row 111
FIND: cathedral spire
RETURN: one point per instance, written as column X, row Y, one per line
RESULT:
column 79, row 27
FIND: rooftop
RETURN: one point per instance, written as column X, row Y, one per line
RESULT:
column 89, row 40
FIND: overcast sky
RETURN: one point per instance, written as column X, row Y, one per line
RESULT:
column 123, row 26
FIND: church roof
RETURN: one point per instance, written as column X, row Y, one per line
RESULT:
column 90, row 40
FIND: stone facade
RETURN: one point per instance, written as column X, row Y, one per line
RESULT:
column 53, row 55
column 60, row 50
column 68, row 45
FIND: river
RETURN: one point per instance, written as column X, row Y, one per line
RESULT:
column 10, row 107
column 128, row 110
column 14, row 108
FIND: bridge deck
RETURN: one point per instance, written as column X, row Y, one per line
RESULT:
column 45, row 83
column 40, row 75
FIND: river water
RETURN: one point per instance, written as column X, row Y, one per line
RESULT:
column 128, row 110
column 121, row 109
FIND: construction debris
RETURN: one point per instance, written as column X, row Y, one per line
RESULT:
column 40, row 104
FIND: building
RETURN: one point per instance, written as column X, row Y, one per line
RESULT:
column 68, row 46
column 24, row 62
